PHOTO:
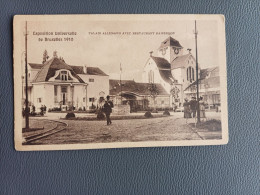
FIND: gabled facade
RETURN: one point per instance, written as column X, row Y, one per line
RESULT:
column 56, row 84
column 173, row 70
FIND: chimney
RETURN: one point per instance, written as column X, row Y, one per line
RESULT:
column 85, row 69
column 55, row 55
column 151, row 53
column 189, row 50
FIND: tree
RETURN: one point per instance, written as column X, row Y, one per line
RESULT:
column 175, row 92
column 45, row 56
column 153, row 92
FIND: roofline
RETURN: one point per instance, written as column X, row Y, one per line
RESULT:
column 94, row 75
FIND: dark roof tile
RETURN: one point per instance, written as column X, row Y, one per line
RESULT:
column 35, row 66
column 170, row 42
column 164, row 69
column 50, row 67
column 90, row 70
column 133, row 87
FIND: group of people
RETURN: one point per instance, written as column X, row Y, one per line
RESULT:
column 191, row 107
column 32, row 110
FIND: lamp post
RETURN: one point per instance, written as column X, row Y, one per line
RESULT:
column 197, row 74
column 26, row 83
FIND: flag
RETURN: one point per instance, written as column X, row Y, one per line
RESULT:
column 120, row 68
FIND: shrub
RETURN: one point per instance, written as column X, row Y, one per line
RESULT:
column 100, row 116
column 148, row 114
column 155, row 111
column 70, row 115
column 166, row 113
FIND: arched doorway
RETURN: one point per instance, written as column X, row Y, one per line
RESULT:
column 136, row 102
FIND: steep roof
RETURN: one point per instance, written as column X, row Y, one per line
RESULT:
column 170, row 42
column 179, row 61
column 167, row 76
column 164, row 69
column 90, row 70
column 134, row 87
column 35, row 66
column 161, row 63
column 203, row 75
column 50, row 67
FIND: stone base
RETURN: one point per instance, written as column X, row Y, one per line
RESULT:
column 121, row 110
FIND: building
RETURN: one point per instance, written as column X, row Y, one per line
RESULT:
column 58, row 85
column 171, row 68
column 140, row 96
column 209, row 87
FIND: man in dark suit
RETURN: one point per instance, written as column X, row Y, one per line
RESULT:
column 108, row 109
column 193, row 107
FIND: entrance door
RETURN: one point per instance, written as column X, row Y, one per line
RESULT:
column 64, row 95
column 63, row 99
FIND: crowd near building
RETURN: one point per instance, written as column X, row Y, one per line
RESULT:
column 168, row 78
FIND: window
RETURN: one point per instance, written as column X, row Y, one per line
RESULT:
column 216, row 98
column 55, row 93
column 84, row 99
column 91, row 80
column 162, row 101
column 64, row 89
column 64, row 75
column 151, row 76
column 39, row 100
column 91, row 99
column 55, row 90
column 190, row 74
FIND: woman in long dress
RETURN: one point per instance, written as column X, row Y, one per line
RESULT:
column 187, row 112
column 202, row 108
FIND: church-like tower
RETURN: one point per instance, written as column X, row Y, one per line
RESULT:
column 170, row 49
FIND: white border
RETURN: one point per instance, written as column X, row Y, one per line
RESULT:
column 18, row 19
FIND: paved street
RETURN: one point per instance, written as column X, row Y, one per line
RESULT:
column 155, row 129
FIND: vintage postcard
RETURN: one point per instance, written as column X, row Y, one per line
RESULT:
column 112, row 81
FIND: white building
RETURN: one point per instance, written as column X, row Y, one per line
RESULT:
column 173, row 70
column 56, row 85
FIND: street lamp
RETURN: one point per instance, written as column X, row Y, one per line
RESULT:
column 197, row 74
column 26, row 83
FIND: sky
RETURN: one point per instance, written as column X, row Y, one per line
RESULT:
column 108, row 51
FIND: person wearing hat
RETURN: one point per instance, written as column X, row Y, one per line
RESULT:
column 187, row 113
column 108, row 109
column 193, row 107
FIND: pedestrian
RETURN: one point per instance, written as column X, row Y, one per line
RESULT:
column 187, row 112
column 193, row 107
column 108, row 109
column 202, row 108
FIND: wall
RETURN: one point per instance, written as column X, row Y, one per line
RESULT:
column 100, row 84
column 79, row 94
column 38, row 93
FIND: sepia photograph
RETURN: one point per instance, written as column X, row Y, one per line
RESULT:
column 113, row 81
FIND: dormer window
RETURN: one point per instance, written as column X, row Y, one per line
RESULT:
column 64, row 75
